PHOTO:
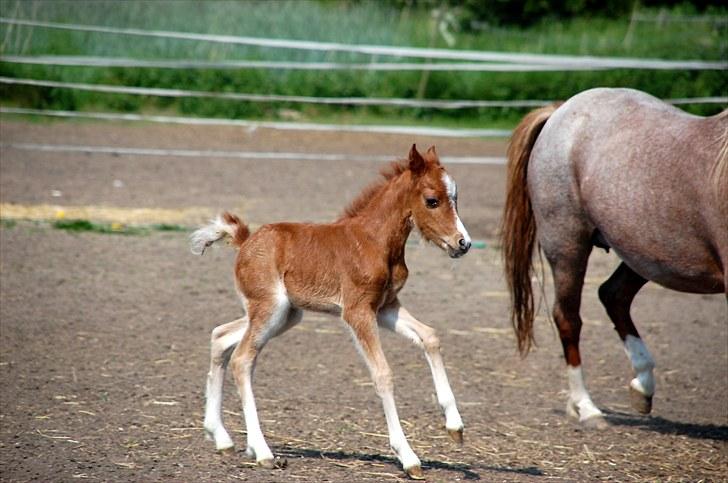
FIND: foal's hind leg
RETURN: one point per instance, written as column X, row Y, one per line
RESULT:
column 399, row 320
column 223, row 340
column 617, row 294
column 569, row 268
column 268, row 318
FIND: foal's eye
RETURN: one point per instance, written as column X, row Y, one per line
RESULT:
column 432, row 202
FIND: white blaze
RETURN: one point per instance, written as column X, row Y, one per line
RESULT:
column 452, row 194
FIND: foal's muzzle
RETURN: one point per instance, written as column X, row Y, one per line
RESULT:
column 462, row 248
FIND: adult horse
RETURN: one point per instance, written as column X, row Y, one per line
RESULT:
column 619, row 169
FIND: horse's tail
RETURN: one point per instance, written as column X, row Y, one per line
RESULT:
column 226, row 225
column 518, row 229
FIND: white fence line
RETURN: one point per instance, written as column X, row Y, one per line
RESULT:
column 252, row 125
column 360, row 101
column 90, row 61
column 215, row 153
column 472, row 55
column 668, row 18
column 355, row 101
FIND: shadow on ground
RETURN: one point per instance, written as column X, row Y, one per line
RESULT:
column 665, row 426
column 466, row 470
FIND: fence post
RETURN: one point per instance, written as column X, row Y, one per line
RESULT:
column 627, row 42
column 422, row 87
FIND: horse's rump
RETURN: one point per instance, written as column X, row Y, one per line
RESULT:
column 640, row 174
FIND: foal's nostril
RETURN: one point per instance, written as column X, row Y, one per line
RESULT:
column 464, row 244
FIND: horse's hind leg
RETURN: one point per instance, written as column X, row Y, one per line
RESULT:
column 569, row 268
column 617, row 294
column 223, row 340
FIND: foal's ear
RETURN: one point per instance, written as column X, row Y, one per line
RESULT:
column 416, row 162
column 431, row 155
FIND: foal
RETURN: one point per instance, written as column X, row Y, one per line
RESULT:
column 353, row 268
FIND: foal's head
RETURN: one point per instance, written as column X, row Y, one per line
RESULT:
column 433, row 201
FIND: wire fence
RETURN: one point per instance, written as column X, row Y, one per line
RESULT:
column 252, row 125
column 477, row 61
column 217, row 153
column 351, row 101
column 184, row 64
column 416, row 52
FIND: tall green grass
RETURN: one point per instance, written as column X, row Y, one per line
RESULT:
column 346, row 22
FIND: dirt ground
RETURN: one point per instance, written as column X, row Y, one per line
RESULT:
column 104, row 338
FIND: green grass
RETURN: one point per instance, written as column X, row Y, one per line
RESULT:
column 169, row 227
column 105, row 228
column 350, row 22
column 114, row 228
column 81, row 225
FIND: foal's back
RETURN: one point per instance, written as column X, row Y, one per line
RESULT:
column 304, row 259
column 641, row 173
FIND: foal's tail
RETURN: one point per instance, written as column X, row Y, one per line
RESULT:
column 226, row 225
column 518, row 229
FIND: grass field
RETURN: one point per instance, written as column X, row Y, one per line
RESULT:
column 350, row 22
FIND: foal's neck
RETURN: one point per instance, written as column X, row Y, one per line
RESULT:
column 387, row 217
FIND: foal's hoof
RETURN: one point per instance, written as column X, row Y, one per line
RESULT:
column 229, row 451
column 273, row 464
column 415, row 472
column 456, row 435
column 641, row 403
column 595, row 422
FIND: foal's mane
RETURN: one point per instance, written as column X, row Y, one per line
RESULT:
column 373, row 190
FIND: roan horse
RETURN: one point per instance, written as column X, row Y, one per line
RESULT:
column 619, row 169
column 354, row 268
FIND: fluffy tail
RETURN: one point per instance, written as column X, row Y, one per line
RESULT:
column 518, row 231
column 226, row 225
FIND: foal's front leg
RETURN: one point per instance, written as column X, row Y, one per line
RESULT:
column 396, row 318
column 362, row 322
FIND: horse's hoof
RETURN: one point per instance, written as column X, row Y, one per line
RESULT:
column 641, row 403
column 274, row 463
column 595, row 422
column 415, row 472
column 456, row 435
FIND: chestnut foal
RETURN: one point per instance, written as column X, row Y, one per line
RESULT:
column 354, row 268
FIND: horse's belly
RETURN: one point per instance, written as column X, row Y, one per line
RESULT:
column 313, row 292
column 696, row 272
